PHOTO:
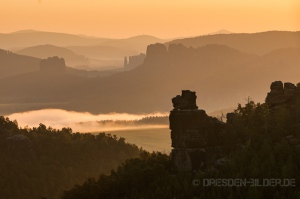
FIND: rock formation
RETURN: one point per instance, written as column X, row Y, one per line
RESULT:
column 187, row 100
column 125, row 62
column 134, row 61
column 53, row 65
column 282, row 94
column 197, row 137
column 191, row 130
column 156, row 53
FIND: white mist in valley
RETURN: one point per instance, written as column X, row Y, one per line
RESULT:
column 81, row 122
column 151, row 137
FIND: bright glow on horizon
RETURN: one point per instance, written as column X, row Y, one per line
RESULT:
column 164, row 19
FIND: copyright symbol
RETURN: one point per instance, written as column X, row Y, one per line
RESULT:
column 196, row 182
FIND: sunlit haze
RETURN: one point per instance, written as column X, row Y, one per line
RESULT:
column 83, row 122
column 164, row 19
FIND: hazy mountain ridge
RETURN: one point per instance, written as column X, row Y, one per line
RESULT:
column 12, row 65
column 102, row 52
column 256, row 43
column 222, row 77
column 27, row 39
column 44, row 51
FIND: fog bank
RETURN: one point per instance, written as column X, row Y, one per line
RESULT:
column 81, row 122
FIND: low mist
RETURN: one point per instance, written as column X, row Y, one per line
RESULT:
column 84, row 122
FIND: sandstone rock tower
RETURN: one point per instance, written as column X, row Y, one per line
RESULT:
column 189, row 127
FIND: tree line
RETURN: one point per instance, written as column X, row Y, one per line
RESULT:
column 42, row 161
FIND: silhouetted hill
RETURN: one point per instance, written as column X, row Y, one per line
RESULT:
column 43, row 51
column 22, row 39
column 222, row 77
column 256, row 43
column 29, row 38
column 102, row 52
column 13, row 64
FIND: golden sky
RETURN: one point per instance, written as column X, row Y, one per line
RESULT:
column 161, row 18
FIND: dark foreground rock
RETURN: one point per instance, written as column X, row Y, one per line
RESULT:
column 191, row 130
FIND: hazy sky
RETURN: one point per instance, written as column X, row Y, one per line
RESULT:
column 161, row 18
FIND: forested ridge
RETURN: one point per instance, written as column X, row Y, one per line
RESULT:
column 42, row 162
column 259, row 144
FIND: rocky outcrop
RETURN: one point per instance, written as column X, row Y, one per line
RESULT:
column 53, row 65
column 191, row 132
column 281, row 94
column 187, row 100
column 156, row 53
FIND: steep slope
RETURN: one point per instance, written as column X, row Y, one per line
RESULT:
column 257, row 43
column 43, row 51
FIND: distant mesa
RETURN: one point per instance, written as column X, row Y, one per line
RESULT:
column 53, row 65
